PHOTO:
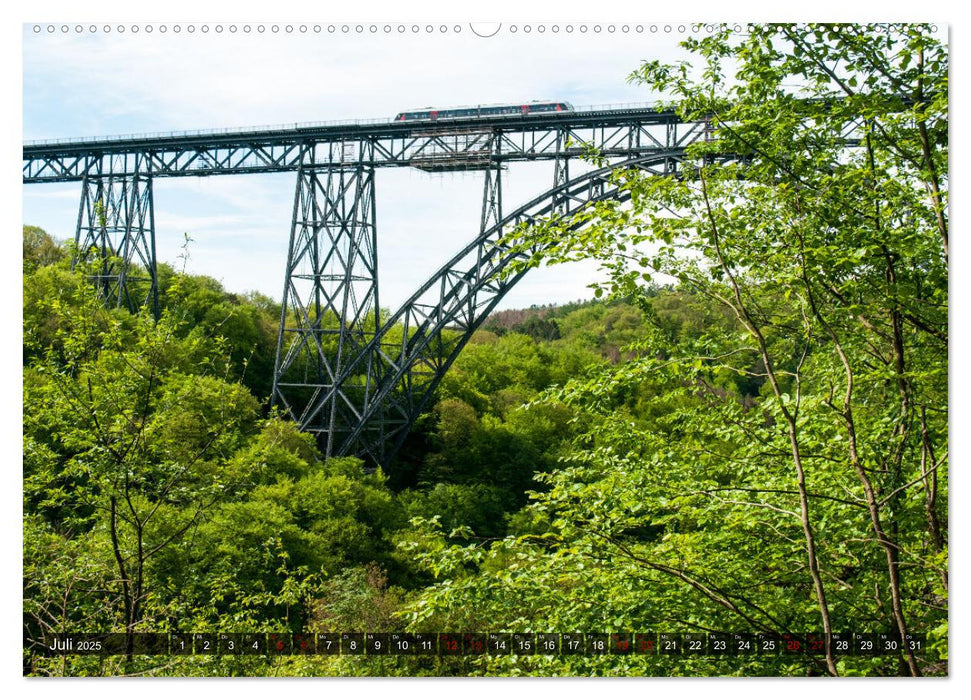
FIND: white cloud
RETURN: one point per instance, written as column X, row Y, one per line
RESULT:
column 160, row 82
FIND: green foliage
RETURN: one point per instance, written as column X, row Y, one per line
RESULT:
column 40, row 249
column 245, row 325
column 773, row 455
column 156, row 498
column 478, row 507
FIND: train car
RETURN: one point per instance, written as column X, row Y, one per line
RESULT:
column 483, row 111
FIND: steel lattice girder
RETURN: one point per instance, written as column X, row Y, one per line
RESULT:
column 116, row 225
column 330, row 302
column 435, row 146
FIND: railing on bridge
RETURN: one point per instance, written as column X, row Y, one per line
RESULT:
column 286, row 126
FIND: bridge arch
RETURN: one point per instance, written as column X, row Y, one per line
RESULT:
column 398, row 370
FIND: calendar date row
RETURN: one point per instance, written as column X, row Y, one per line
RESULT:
column 492, row 643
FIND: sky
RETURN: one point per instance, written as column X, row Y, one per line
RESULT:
column 97, row 83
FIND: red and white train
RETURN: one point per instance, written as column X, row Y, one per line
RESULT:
column 484, row 111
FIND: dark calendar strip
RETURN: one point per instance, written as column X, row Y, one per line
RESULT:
column 480, row 643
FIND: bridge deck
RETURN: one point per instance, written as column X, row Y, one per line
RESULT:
column 443, row 144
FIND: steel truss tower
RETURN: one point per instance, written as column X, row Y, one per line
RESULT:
column 116, row 232
column 407, row 363
column 561, row 174
column 330, row 299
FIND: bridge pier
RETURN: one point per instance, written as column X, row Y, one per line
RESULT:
column 561, row 174
column 116, row 224
column 491, row 199
column 330, row 300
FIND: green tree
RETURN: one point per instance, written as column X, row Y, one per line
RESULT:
column 40, row 248
column 816, row 221
column 128, row 433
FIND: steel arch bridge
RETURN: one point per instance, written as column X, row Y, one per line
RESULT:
column 342, row 371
